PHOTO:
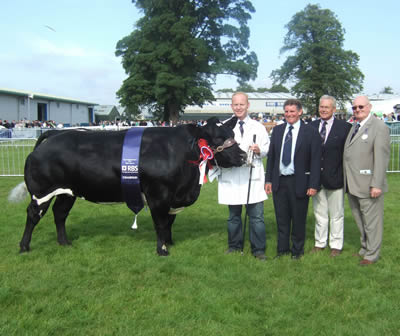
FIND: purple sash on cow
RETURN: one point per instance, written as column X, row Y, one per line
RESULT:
column 130, row 169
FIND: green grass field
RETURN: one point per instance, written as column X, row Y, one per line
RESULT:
column 111, row 282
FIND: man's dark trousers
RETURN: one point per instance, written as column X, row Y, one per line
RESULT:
column 291, row 216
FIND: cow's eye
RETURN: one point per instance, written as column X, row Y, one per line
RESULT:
column 219, row 141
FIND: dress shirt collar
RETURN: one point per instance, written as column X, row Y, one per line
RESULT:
column 245, row 120
column 362, row 123
column 296, row 126
column 329, row 122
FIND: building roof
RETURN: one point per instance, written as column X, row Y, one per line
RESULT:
column 256, row 95
column 34, row 95
column 105, row 110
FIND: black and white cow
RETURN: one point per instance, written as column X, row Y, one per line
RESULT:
column 81, row 163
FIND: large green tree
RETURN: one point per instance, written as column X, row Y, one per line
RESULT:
column 318, row 64
column 178, row 48
column 387, row 90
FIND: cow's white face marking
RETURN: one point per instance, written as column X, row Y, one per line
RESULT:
column 48, row 197
column 164, row 247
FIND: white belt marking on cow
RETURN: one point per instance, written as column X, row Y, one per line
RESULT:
column 48, row 197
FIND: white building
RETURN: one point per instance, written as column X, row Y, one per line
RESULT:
column 265, row 103
column 381, row 104
column 19, row 105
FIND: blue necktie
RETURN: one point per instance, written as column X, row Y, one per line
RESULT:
column 241, row 127
column 287, row 148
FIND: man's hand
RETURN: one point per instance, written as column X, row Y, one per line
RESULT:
column 375, row 192
column 268, row 188
column 255, row 149
column 311, row 192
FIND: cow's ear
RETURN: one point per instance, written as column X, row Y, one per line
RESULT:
column 231, row 123
column 212, row 120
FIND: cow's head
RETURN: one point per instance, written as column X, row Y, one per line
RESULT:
column 220, row 138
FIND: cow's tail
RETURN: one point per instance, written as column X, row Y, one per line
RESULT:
column 18, row 194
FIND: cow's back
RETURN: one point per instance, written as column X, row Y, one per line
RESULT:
column 87, row 162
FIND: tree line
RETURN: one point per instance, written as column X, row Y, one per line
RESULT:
column 178, row 48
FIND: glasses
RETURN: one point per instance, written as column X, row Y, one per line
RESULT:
column 360, row 107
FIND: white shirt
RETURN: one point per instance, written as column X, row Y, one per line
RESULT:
column 362, row 123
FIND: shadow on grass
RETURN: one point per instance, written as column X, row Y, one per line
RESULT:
column 88, row 220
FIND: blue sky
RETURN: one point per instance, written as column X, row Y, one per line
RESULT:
column 77, row 60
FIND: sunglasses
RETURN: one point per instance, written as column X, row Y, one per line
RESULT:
column 360, row 107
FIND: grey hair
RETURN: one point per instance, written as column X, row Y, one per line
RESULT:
column 332, row 99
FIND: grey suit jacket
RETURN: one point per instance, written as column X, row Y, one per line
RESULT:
column 366, row 158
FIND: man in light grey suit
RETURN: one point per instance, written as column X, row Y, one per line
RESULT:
column 365, row 161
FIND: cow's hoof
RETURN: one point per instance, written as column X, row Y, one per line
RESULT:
column 163, row 251
column 24, row 249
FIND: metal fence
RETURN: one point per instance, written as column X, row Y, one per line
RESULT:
column 13, row 153
column 14, row 150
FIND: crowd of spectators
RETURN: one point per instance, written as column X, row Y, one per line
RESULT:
column 27, row 124
column 276, row 120
column 21, row 124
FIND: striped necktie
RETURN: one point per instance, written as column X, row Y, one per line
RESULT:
column 322, row 133
column 355, row 130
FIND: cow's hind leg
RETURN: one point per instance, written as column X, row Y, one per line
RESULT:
column 61, row 208
column 34, row 214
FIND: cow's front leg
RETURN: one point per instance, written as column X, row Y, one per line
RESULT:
column 171, row 219
column 163, row 234
column 163, row 230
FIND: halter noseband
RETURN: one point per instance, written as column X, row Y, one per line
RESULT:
column 227, row 143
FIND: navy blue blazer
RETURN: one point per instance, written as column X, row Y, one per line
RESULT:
column 332, row 154
column 307, row 159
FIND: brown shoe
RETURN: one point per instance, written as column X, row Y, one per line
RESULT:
column 317, row 249
column 366, row 262
column 335, row 252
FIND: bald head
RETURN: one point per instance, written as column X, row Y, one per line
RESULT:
column 361, row 108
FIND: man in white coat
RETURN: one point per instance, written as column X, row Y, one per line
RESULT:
column 233, row 183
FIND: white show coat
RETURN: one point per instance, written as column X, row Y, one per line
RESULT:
column 233, row 183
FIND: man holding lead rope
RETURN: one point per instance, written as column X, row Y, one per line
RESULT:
column 233, row 183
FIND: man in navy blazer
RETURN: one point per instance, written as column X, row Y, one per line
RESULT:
column 293, row 175
column 328, row 203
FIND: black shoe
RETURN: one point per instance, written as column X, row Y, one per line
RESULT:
column 261, row 256
column 297, row 256
column 281, row 254
column 231, row 250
